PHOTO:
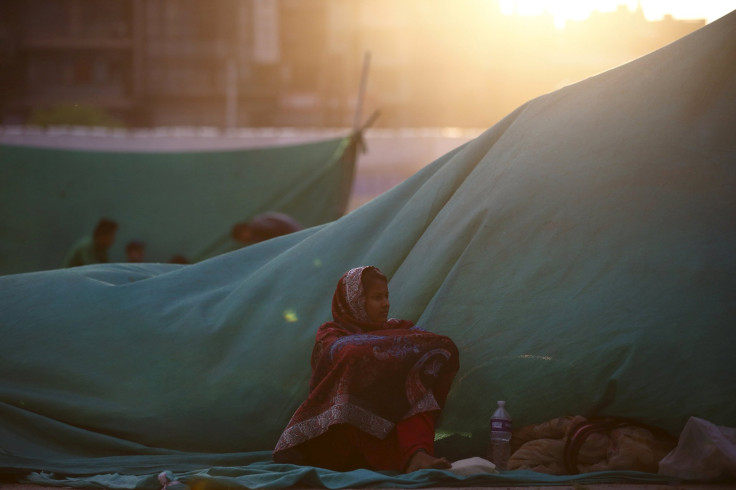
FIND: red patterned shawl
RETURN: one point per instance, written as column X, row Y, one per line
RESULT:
column 369, row 375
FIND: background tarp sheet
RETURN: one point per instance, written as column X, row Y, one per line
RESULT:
column 176, row 202
column 580, row 253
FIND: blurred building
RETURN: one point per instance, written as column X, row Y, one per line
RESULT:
column 297, row 63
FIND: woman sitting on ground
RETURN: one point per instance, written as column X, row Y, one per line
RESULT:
column 377, row 386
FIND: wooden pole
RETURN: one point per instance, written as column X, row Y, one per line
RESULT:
column 231, row 92
column 361, row 90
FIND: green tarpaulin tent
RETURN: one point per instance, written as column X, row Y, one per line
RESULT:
column 176, row 202
column 580, row 253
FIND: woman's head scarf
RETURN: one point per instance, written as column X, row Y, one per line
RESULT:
column 348, row 302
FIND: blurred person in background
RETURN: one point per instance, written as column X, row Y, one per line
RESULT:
column 264, row 227
column 93, row 249
column 135, row 251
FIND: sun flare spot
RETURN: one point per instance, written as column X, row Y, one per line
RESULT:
column 290, row 316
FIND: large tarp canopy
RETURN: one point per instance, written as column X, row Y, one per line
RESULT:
column 580, row 253
column 176, row 202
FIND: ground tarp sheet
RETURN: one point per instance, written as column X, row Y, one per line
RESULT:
column 580, row 253
column 176, row 202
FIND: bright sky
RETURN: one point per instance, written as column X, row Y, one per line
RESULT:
column 563, row 10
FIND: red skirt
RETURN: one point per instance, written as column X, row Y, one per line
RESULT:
column 344, row 447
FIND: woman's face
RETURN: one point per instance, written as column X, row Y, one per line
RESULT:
column 376, row 301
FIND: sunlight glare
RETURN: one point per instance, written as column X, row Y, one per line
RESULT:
column 653, row 10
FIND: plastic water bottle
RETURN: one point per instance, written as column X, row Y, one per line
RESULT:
column 500, row 448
